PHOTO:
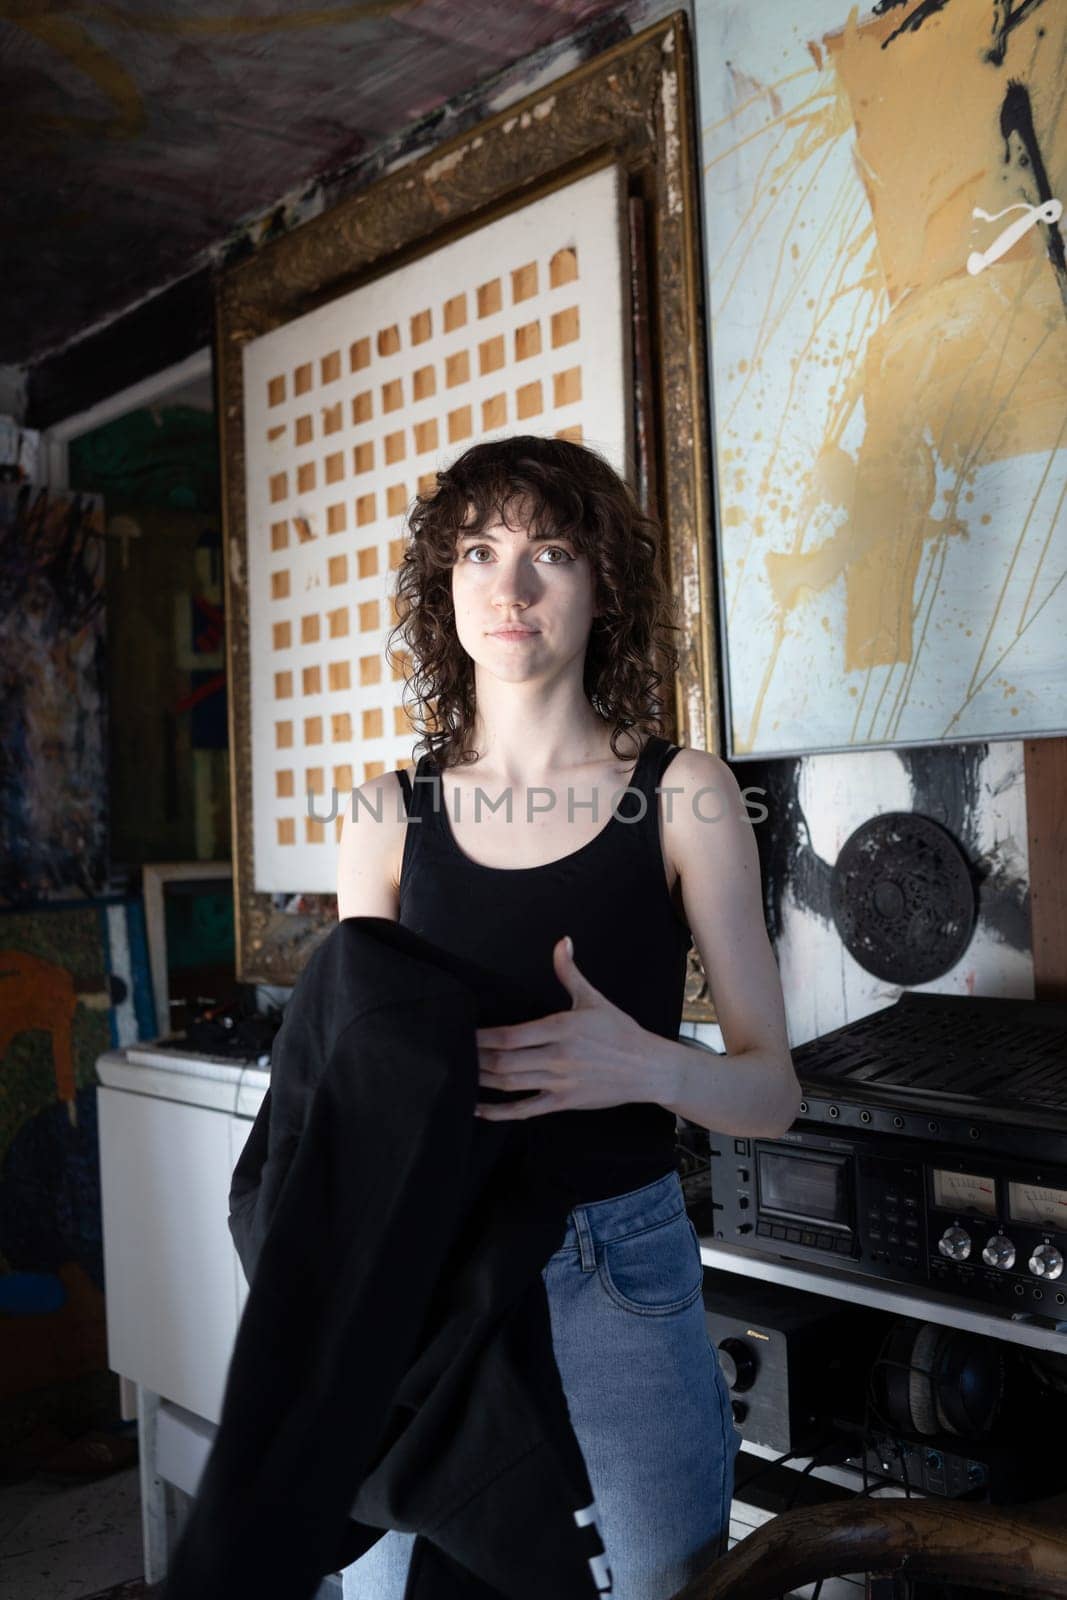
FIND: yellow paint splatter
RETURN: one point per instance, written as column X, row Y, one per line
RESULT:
column 952, row 372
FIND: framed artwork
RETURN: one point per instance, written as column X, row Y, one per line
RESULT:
column 538, row 273
column 519, row 325
column 211, row 943
column 887, row 297
column 53, row 708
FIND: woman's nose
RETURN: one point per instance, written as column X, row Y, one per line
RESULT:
column 514, row 581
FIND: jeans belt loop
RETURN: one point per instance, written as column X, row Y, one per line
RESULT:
column 586, row 1247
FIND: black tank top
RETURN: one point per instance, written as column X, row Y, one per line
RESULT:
column 611, row 896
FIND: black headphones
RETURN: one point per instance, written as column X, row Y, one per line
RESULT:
column 939, row 1380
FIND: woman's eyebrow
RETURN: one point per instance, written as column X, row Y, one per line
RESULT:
column 491, row 538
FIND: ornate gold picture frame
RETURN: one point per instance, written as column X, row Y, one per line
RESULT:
column 630, row 107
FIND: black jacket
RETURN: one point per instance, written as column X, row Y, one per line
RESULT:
column 393, row 1367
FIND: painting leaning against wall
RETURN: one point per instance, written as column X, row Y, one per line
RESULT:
column 518, row 326
column 53, row 713
column 887, row 290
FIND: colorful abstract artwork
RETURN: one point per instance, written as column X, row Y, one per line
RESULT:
column 53, row 710
column 887, row 290
column 519, row 326
column 74, row 982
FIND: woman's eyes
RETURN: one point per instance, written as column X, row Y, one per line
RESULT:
column 558, row 548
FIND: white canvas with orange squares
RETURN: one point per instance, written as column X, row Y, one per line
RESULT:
column 519, row 327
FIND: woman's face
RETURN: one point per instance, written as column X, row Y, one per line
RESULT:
column 502, row 576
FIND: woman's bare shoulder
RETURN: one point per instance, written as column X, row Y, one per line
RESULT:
column 371, row 848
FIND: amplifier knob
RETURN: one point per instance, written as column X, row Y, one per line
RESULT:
column 738, row 1362
column 1046, row 1262
column 999, row 1252
column 955, row 1243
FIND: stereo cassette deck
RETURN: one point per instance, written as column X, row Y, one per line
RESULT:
column 930, row 1149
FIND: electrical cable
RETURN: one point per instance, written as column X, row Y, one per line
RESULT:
column 800, row 1476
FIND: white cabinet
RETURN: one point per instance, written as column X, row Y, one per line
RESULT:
column 170, row 1284
column 171, row 1129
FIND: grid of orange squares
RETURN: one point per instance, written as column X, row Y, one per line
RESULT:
column 346, row 421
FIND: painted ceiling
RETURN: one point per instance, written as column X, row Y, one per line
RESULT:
column 142, row 134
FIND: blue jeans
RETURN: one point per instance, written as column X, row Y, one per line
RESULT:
column 648, row 1401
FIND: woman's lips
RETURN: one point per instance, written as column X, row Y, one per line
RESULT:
column 515, row 633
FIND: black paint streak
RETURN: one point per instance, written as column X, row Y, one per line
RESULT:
column 1016, row 117
column 946, row 785
column 1016, row 114
column 787, row 858
column 1006, row 18
column 912, row 23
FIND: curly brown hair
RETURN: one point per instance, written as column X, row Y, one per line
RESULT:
column 560, row 488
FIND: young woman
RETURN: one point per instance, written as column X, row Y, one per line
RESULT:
column 531, row 601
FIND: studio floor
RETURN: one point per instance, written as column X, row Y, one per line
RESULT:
column 67, row 1537
column 76, row 1535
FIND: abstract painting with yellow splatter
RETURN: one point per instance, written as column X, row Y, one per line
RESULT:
column 884, row 239
column 521, row 326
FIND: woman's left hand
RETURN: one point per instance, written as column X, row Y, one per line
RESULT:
column 592, row 1056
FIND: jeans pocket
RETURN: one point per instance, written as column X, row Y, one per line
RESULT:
column 656, row 1271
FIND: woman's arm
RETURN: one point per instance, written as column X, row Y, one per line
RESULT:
column 709, row 837
column 370, row 850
